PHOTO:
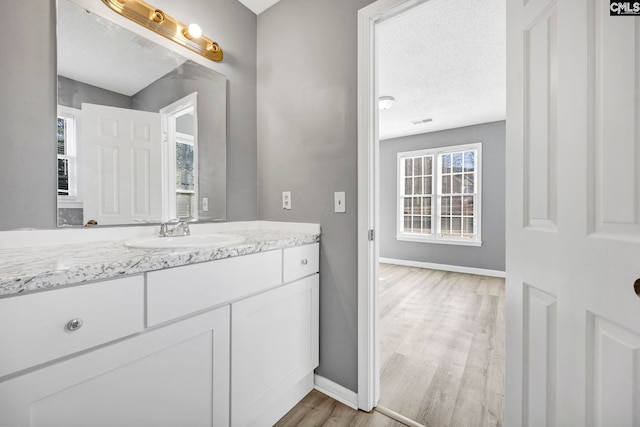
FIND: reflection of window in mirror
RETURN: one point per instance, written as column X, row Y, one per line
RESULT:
column 180, row 130
column 186, row 203
column 67, row 154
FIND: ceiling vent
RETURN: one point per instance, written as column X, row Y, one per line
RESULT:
column 419, row 122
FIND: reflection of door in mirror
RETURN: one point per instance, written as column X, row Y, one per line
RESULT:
column 180, row 146
column 120, row 160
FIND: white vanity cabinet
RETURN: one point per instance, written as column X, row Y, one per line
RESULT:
column 180, row 291
column 231, row 342
column 177, row 375
column 43, row 326
column 274, row 343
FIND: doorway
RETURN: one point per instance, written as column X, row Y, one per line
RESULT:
column 460, row 223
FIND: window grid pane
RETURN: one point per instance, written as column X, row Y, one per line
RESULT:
column 62, row 136
column 418, row 182
column 457, row 194
column 63, row 161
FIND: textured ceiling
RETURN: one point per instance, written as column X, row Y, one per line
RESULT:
column 443, row 60
column 98, row 52
column 258, row 6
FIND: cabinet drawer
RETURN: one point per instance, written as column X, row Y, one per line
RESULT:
column 184, row 290
column 34, row 328
column 301, row 261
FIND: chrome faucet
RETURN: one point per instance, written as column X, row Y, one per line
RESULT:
column 180, row 229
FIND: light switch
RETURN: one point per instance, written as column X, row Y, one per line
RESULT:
column 205, row 204
column 286, row 200
column 339, row 202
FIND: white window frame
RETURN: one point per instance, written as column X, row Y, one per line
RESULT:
column 168, row 116
column 435, row 236
column 183, row 138
column 73, row 198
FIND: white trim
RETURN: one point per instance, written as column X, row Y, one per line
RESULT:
column 336, row 391
column 168, row 114
column 73, row 157
column 368, row 374
column 368, row 189
column 445, row 267
column 398, row 417
column 407, row 237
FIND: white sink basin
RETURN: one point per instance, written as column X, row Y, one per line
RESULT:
column 201, row 241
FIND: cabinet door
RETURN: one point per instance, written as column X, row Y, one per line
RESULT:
column 274, row 347
column 176, row 375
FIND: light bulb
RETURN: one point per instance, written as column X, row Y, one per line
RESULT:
column 194, row 31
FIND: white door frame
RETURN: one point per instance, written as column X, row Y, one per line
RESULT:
column 168, row 117
column 368, row 204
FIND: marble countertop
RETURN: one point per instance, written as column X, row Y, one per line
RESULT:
column 35, row 268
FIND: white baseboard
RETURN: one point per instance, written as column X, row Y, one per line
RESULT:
column 336, row 391
column 444, row 267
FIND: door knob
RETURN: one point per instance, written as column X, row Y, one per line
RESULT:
column 636, row 287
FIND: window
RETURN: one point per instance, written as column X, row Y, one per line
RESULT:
column 186, row 202
column 439, row 195
column 66, row 144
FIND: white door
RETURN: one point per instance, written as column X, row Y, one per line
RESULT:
column 573, row 215
column 120, row 154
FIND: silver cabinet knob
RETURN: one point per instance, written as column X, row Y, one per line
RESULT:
column 305, row 262
column 74, row 324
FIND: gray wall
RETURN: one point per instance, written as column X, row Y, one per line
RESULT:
column 28, row 105
column 491, row 255
column 72, row 93
column 28, row 111
column 307, row 143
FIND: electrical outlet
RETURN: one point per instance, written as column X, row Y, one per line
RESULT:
column 205, row 204
column 286, row 200
column 339, row 202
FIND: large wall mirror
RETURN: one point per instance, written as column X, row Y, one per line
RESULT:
column 141, row 129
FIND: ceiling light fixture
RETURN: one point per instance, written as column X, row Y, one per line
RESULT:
column 385, row 102
column 167, row 26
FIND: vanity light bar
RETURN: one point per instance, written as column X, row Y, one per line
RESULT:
column 165, row 25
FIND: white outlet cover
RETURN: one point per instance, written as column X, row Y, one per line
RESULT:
column 286, row 200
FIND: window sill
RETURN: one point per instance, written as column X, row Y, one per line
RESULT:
column 69, row 202
column 406, row 238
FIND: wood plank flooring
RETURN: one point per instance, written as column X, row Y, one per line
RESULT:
column 441, row 349
column 317, row 409
column 441, row 346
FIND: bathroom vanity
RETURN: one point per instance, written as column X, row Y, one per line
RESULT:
column 160, row 337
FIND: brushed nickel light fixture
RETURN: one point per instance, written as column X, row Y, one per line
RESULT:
column 167, row 26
